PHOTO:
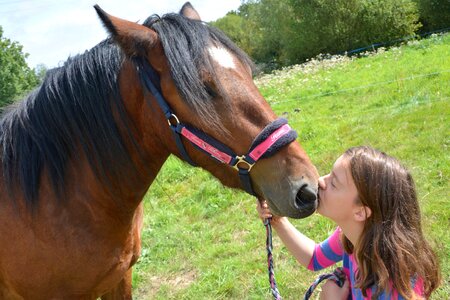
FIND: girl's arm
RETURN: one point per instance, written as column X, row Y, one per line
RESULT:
column 301, row 246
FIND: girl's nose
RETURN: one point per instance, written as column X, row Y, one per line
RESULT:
column 322, row 184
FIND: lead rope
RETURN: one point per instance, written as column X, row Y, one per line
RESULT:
column 338, row 275
column 272, row 281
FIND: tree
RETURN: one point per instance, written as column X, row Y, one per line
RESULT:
column 242, row 29
column 16, row 77
column 337, row 26
column 233, row 26
column 434, row 14
column 285, row 32
column 40, row 70
column 256, row 28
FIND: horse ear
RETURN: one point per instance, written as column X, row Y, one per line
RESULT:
column 189, row 12
column 134, row 39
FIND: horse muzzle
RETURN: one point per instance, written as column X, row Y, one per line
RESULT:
column 306, row 201
column 293, row 199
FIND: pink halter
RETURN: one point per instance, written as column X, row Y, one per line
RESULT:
column 274, row 136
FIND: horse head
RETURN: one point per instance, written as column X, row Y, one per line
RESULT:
column 206, row 80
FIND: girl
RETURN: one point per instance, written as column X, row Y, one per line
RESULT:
column 372, row 199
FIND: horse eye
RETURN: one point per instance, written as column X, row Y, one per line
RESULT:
column 210, row 91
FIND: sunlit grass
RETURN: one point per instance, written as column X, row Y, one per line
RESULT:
column 203, row 241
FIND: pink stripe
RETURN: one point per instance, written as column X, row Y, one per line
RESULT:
column 335, row 243
column 322, row 259
column 394, row 293
column 223, row 157
column 418, row 287
column 369, row 294
column 275, row 136
column 311, row 264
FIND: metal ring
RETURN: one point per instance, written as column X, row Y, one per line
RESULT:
column 173, row 116
column 241, row 159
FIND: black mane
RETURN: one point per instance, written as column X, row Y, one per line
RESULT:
column 72, row 110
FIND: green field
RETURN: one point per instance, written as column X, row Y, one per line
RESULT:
column 204, row 241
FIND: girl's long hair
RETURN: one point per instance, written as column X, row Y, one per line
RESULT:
column 392, row 249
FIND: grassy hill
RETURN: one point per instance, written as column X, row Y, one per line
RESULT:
column 203, row 241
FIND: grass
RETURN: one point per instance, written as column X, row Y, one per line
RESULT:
column 203, row 241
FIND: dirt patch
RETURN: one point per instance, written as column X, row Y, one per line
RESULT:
column 176, row 282
column 240, row 236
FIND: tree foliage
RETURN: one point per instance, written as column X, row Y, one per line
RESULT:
column 241, row 27
column 16, row 77
column 434, row 14
column 341, row 25
column 284, row 32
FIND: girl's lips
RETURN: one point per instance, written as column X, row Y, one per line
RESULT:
column 319, row 199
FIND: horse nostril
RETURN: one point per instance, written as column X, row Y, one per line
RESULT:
column 305, row 196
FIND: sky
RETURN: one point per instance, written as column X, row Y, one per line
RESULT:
column 52, row 30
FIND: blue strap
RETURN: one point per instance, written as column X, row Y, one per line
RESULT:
column 152, row 82
column 244, row 175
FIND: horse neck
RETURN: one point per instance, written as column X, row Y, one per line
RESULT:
column 148, row 151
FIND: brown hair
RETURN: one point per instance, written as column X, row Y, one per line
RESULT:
column 392, row 248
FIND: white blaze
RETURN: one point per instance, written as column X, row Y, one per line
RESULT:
column 222, row 56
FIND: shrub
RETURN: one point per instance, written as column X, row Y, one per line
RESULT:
column 15, row 76
column 286, row 32
column 434, row 14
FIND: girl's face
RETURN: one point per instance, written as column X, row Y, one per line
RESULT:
column 338, row 194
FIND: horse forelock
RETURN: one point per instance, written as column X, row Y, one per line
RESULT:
column 71, row 111
column 186, row 43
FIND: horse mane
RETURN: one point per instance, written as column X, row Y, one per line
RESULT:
column 70, row 112
column 73, row 109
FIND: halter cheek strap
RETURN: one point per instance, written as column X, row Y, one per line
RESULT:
column 274, row 136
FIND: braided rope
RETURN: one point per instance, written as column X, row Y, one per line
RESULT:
column 272, row 281
column 338, row 276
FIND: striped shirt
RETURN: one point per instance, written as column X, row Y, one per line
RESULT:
column 331, row 251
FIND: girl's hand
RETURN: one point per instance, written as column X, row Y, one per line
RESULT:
column 330, row 290
column 264, row 212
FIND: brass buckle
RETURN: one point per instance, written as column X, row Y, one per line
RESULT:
column 175, row 118
column 241, row 160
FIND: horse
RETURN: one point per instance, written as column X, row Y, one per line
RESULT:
column 79, row 152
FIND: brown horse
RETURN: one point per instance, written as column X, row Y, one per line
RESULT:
column 80, row 152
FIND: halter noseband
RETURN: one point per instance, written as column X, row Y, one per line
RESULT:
column 274, row 136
